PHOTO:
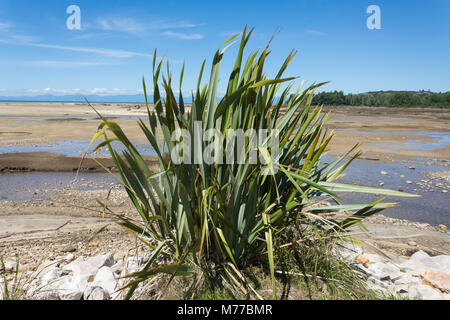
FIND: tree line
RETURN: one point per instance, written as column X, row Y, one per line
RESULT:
column 384, row 99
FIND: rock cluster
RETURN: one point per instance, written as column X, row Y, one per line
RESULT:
column 419, row 277
column 95, row 278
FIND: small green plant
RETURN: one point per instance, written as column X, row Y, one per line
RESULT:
column 11, row 288
column 212, row 221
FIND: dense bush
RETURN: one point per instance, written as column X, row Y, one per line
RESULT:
column 211, row 222
column 384, row 99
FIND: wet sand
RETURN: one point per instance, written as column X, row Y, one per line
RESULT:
column 386, row 134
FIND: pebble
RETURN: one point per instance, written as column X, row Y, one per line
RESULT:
column 69, row 249
column 69, row 257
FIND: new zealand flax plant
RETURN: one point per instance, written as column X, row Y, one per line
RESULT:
column 211, row 221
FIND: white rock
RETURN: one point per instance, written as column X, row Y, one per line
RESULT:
column 423, row 292
column 377, row 285
column 376, row 269
column 66, row 288
column 69, row 257
column 73, row 265
column 106, row 280
column 82, row 280
column 407, row 279
column 46, row 267
column 442, row 263
column 419, row 255
column 10, row 265
column 133, row 265
column 420, row 262
column 118, row 267
column 374, row 258
column 96, row 293
column 350, row 251
column 90, row 266
column 50, row 276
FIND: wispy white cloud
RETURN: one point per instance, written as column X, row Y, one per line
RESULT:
column 5, row 25
column 132, row 25
column 101, row 51
column 24, row 40
column 54, row 63
column 183, row 36
column 121, row 24
column 316, row 32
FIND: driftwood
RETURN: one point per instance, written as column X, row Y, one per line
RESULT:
column 60, row 227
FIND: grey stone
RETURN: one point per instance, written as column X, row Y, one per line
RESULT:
column 70, row 249
column 423, row 292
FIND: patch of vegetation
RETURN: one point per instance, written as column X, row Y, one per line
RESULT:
column 385, row 99
column 227, row 227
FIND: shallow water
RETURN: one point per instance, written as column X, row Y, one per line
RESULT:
column 75, row 148
column 85, row 116
column 440, row 140
column 432, row 207
column 32, row 185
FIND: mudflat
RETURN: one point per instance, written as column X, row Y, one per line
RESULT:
column 44, row 138
column 385, row 134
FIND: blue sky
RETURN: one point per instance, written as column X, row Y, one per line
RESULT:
column 114, row 47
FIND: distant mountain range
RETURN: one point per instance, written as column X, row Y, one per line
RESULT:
column 137, row 98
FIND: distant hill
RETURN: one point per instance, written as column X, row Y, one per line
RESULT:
column 388, row 98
